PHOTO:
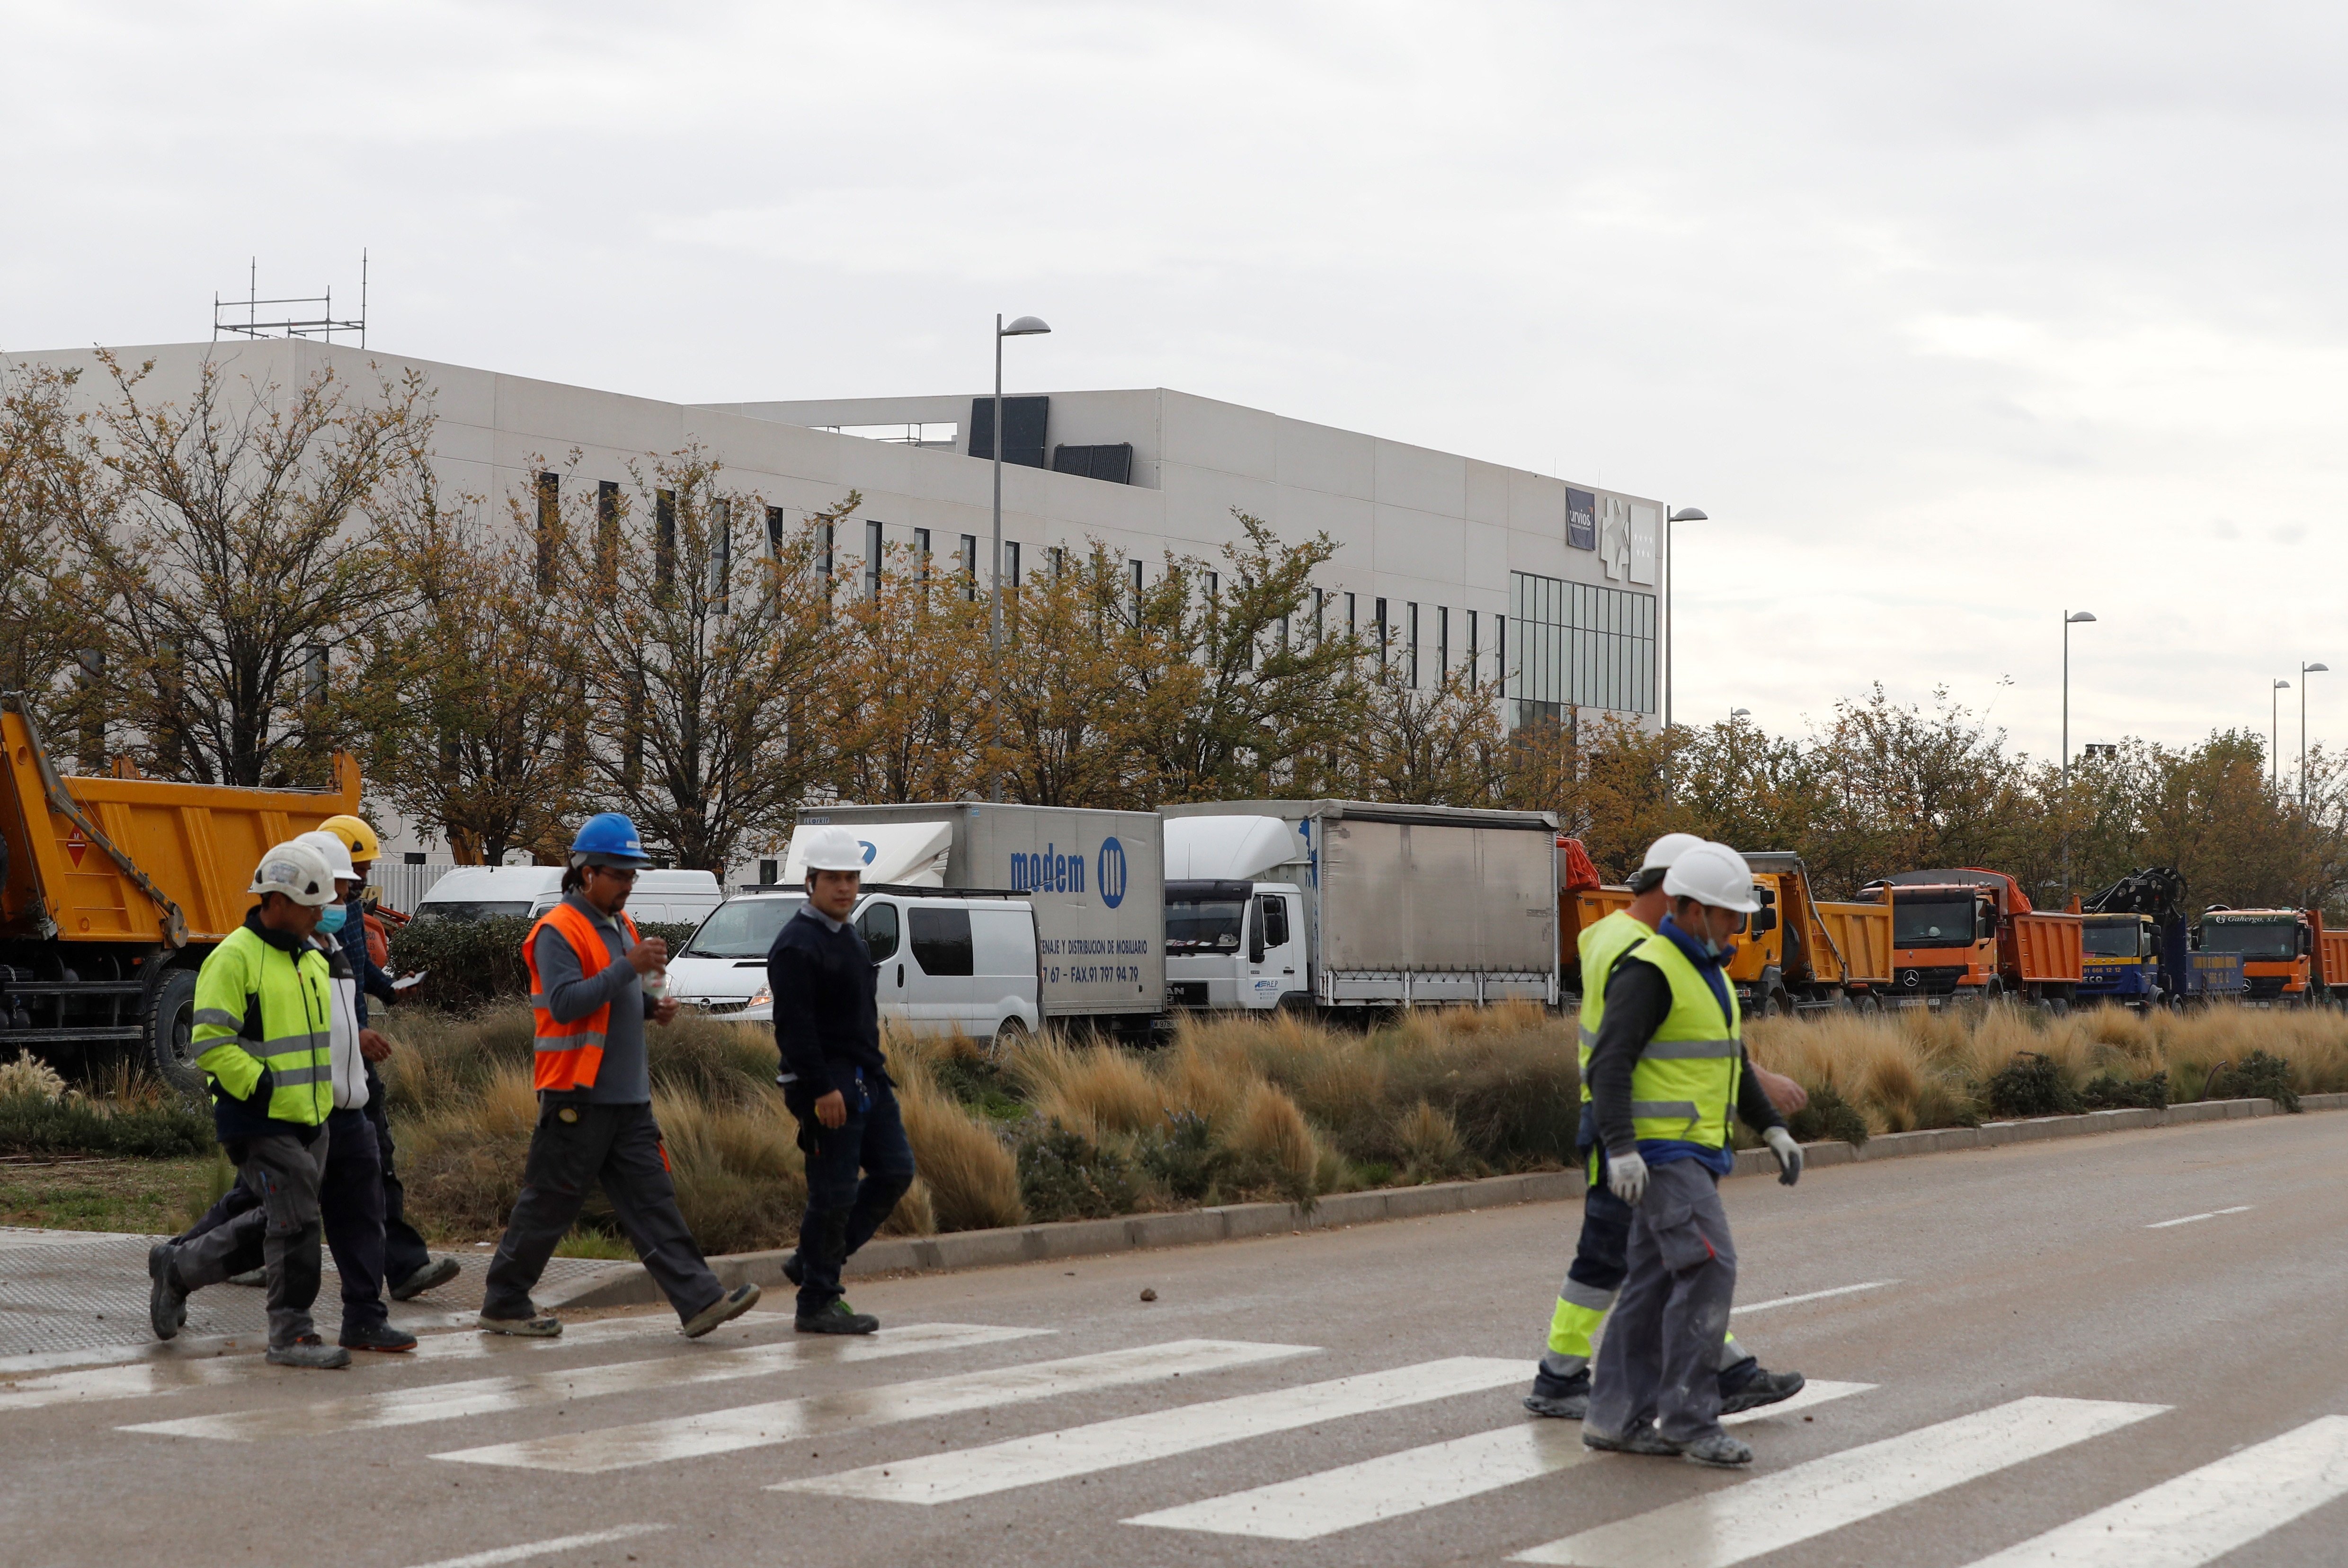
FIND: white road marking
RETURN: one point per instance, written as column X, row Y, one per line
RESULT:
column 2188, row 1219
column 157, row 1376
column 1823, row 1495
column 1813, row 1296
column 784, row 1420
column 2205, row 1513
column 527, row 1550
column 1132, row 1439
column 1395, row 1484
column 492, row 1395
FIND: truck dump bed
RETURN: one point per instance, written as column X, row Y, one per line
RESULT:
column 2048, row 947
column 1850, row 943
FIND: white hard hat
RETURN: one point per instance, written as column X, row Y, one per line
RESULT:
column 1713, row 873
column 828, row 850
column 1663, row 851
column 337, row 853
column 299, row 871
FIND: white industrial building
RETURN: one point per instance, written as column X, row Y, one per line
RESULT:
column 1547, row 587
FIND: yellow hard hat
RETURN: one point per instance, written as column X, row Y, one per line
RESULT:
column 364, row 844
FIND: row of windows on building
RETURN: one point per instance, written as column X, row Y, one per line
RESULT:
column 1579, row 645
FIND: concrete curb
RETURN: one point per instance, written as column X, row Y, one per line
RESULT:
column 627, row 1284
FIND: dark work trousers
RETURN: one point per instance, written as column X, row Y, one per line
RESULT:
column 575, row 1146
column 842, row 1212
column 1601, row 1255
column 1660, row 1358
column 350, row 1205
column 284, row 1172
column 404, row 1250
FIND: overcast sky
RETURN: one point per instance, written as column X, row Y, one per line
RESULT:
column 1952, row 317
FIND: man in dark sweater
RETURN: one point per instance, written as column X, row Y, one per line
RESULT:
column 828, row 1028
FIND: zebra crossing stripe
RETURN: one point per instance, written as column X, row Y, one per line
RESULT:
column 493, row 1396
column 785, row 1421
column 2202, row 1514
column 1133, row 1440
column 1395, row 1484
column 1823, row 1495
column 162, row 1375
column 496, row 1556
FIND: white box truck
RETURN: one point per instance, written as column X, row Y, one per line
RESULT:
column 1095, row 879
column 1346, row 903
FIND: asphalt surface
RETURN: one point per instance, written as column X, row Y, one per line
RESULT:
column 2041, row 1359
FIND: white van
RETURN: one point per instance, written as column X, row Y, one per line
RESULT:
column 478, row 893
column 947, row 961
column 662, row 898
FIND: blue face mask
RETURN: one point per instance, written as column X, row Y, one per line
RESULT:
column 330, row 918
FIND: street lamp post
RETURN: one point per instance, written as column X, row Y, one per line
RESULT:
column 1670, row 622
column 2305, row 671
column 2070, row 618
column 1024, row 326
column 2274, row 735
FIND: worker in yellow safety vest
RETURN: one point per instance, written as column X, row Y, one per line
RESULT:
column 1667, row 1071
column 1561, row 1381
column 263, row 1029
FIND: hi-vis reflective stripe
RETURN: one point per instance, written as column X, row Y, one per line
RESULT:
column 1683, row 1109
column 1589, row 1039
column 564, row 1043
column 294, row 1077
column 1666, row 1050
column 219, row 1015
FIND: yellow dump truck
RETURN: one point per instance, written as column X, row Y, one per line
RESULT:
column 1804, row 954
column 112, row 890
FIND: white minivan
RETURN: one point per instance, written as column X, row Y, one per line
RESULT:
column 947, row 961
column 661, row 898
column 480, row 892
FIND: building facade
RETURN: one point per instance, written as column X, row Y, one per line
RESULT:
column 1546, row 592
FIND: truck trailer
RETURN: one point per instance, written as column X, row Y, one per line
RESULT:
column 114, row 888
column 1345, row 905
column 1095, row 879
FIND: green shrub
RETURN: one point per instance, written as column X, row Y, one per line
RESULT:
column 2031, row 1084
column 2110, row 1092
column 471, row 963
column 33, row 1124
column 2260, row 1077
column 1184, row 1157
column 1828, row 1119
column 1063, row 1175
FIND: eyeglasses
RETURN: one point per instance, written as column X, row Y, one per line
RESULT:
column 617, row 874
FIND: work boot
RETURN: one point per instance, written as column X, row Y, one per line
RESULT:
column 1747, row 1386
column 1719, row 1450
column 1567, row 1398
column 374, row 1337
column 795, row 1271
column 252, row 1279
column 309, row 1351
column 837, row 1318
column 167, row 1301
column 537, row 1325
column 724, row 1309
column 1642, row 1438
column 438, row 1272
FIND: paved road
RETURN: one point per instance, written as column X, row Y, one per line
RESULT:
column 2028, row 1354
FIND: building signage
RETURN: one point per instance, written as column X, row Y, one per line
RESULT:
column 1580, row 520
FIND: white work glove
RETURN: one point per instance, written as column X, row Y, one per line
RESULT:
column 1626, row 1175
column 1789, row 1153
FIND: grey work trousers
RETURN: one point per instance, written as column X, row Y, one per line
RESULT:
column 1661, row 1358
column 285, row 1173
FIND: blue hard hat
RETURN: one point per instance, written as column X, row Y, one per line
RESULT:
column 608, row 837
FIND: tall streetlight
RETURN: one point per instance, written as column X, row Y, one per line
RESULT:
column 1670, row 622
column 1736, row 713
column 1024, row 326
column 2274, row 735
column 2070, row 618
column 2305, row 671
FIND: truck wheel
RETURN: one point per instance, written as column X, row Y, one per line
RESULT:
column 1007, row 1034
column 170, row 1023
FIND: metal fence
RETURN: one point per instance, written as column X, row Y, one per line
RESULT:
column 399, row 886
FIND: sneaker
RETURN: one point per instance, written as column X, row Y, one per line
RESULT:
column 1719, row 1450
column 537, row 1325
column 1748, row 1386
column 167, row 1302
column 374, row 1337
column 1640, row 1440
column 252, row 1279
column 1568, row 1399
column 309, row 1351
column 724, row 1309
column 795, row 1271
column 438, row 1272
column 837, row 1318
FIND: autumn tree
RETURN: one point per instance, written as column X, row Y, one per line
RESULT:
column 909, row 720
column 54, row 490
column 1055, row 731
column 1439, row 744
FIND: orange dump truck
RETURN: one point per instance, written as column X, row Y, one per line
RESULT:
column 2288, row 958
column 1582, row 901
column 1804, row 954
column 1968, row 935
column 112, row 890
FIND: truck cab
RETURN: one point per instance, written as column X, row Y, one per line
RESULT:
column 2121, row 960
column 1234, row 945
column 2276, row 947
column 1943, row 942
